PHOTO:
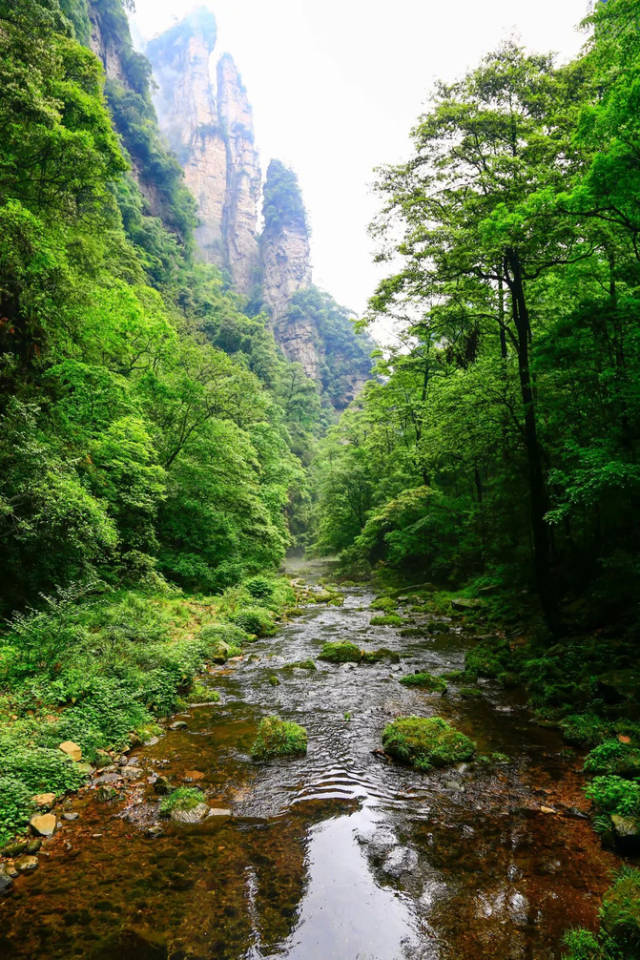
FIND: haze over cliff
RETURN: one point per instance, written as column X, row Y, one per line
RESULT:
column 206, row 116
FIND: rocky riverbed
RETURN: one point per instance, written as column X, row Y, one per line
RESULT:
column 340, row 853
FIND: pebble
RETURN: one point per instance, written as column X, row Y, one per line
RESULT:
column 70, row 816
column 178, row 725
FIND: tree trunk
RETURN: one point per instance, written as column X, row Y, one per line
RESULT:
column 537, row 491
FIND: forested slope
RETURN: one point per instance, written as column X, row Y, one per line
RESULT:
column 501, row 440
column 153, row 438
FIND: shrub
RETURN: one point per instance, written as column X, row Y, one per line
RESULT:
column 612, row 756
column 341, row 652
column 256, row 620
column 15, row 807
column 620, row 915
column 583, row 728
column 424, row 743
column 278, row 738
column 425, row 680
column 582, row 945
column 260, row 588
column 615, row 795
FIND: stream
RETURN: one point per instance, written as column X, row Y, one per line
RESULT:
column 339, row 855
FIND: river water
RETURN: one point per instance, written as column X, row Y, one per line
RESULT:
column 340, row 855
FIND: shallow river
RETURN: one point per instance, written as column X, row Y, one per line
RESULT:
column 340, row 855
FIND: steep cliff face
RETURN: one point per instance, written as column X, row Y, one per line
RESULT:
column 209, row 127
column 286, row 266
column 244, row 178
column 206, row 117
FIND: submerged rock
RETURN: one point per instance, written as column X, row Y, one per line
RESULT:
column 26, row 864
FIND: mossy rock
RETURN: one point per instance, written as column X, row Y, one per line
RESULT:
column 375, row 656
column 224, row 640
column 424, row 743
column 425, row 680
column 341, row 652
column 384, row 603
column 387, row 620
column 279, row 738
column 470, row 693
column 183, row 800
column 301, row 665
column 414, row 632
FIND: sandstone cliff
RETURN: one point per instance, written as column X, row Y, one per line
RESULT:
column 208, row 123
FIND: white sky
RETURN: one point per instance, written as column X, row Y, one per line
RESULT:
column 336, row 86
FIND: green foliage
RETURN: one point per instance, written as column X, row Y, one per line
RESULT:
column 283, row 207
column 425, row 743
column 619, row 936
column 612, row 756
column 340, row 652
column 183, row 798
column 256, row 620
column 278, row 738
column 425, row 680
column 15, row 807
column 615, row 795
column 260, row 588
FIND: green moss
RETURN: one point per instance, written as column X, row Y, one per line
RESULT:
column 341, row 652
column 375, row 656
column 424, row 743
column 425, row 680
column 413, row 632
column 273, row 680
column 388, row 620
column 581, row 945
column 184, row 798
column 470, row 693
column 384, row 603
column 301, row 665
column 201, row 694
column 278, row 738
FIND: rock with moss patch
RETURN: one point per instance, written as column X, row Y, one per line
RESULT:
column 386, row 604
column 426, row 742
column 375, row 656
column 387, row 620
column 278, row 738
column 425, row 680
column 341, row 652
column 185, row 805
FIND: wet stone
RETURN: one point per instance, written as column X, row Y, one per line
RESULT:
column 26, row 864
column 178, row 725
column 196, row 815
column 44, row 825
column 70, row 816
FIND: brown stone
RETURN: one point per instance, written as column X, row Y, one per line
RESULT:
column 44, row 800
column 26, row 864
column 72, row 750
column 44, row 824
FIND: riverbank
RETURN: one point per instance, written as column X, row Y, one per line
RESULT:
column 301, row 857
column 94, row 672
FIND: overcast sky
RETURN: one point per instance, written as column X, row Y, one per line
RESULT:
column 337, row 84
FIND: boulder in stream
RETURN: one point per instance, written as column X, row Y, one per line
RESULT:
column 426, row 742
